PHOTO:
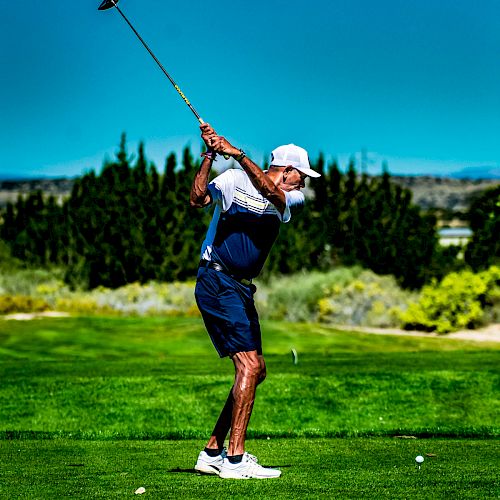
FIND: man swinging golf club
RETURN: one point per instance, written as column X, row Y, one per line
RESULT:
column 250, row 205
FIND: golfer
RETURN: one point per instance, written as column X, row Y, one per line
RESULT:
column 250, row 205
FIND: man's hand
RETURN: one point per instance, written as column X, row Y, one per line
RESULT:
column 223, row 147
column 208, row 135
column 217, row 143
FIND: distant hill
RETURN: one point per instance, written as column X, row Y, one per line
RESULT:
column 452, row 194
column 479, row 172
column 11, row 189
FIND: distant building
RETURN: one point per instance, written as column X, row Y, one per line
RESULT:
column 458, row 236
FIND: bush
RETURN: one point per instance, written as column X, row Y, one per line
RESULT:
column 81, row 304
column 26, row 281
column 349, row 296
column 460, row 300
column 171, row 299
column 295, row 297
column 369, row 300
column 10, row 304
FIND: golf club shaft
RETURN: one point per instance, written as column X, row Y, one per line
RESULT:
column 179, row 91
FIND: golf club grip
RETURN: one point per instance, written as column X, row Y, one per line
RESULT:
column 200, row 119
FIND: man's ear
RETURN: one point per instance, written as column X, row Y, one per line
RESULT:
column 287, row 170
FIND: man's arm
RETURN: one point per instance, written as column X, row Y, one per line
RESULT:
column 266, row 187
column 199, row 196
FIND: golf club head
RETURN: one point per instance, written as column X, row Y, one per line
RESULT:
column 107, row 4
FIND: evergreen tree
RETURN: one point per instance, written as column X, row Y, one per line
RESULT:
column 130, row 224
column 484, row 216
column 349, row 223
column 333, row 210
column 8, row 228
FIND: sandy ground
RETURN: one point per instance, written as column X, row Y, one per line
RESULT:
column 490, row 333
column 38, row 315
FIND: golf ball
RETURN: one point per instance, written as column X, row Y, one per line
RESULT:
column 419, row 459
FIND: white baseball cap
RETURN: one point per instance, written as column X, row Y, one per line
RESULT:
column 293, row 156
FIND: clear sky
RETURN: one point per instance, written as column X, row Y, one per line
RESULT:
column 415, row 83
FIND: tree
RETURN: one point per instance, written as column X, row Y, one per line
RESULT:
column 129, row 223
column 484, row 216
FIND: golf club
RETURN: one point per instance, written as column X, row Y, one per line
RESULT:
column 109, row 4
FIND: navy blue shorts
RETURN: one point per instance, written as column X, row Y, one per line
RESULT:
column 229, row 313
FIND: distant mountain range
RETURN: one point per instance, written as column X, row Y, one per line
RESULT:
column 449, row 193
column 11, row 189
column 486, row 172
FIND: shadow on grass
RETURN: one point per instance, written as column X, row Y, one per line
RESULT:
column 178, row 470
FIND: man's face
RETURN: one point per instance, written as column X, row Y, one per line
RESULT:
column 293, row 179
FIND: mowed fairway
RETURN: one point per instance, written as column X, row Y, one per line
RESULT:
column 97, row 407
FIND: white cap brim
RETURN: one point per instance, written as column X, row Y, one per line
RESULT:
column 308, row 171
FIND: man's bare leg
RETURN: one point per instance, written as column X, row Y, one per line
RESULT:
column 249, row 370
column 221, row 429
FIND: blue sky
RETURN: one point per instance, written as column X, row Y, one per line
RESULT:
column 416, row 84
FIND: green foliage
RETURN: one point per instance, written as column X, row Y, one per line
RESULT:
column 458, row 301
column 343, row 296
column 32, row 282
column 369, row 300
column 368, row 221
column 129, row 224
column 484, row 216
column 10, row 304
column 33, row 230
column 7, row 262
column 151, row 299
column 295, row 297
column 124, row 225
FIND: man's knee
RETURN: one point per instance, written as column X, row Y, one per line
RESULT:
column 247, row 364
column 251, row 369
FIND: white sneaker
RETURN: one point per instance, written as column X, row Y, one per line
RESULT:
column 246, row 469
column 210, row 465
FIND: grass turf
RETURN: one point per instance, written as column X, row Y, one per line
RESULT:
column 89, row 407
column 318, row 468
column 107, row 378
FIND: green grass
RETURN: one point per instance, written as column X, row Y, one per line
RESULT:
column 319, row 468
column 106, row 378
column 96, row 407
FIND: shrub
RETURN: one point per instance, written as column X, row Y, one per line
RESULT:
column 152, row 298
column 10, row 304
column 369, row 300
column 26, row 281
column 172, row 299
column 295, row 297
column 81, row 304
column 351, row 296
column 460, row 300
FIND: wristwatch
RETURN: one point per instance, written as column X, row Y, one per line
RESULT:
column 240, row 157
